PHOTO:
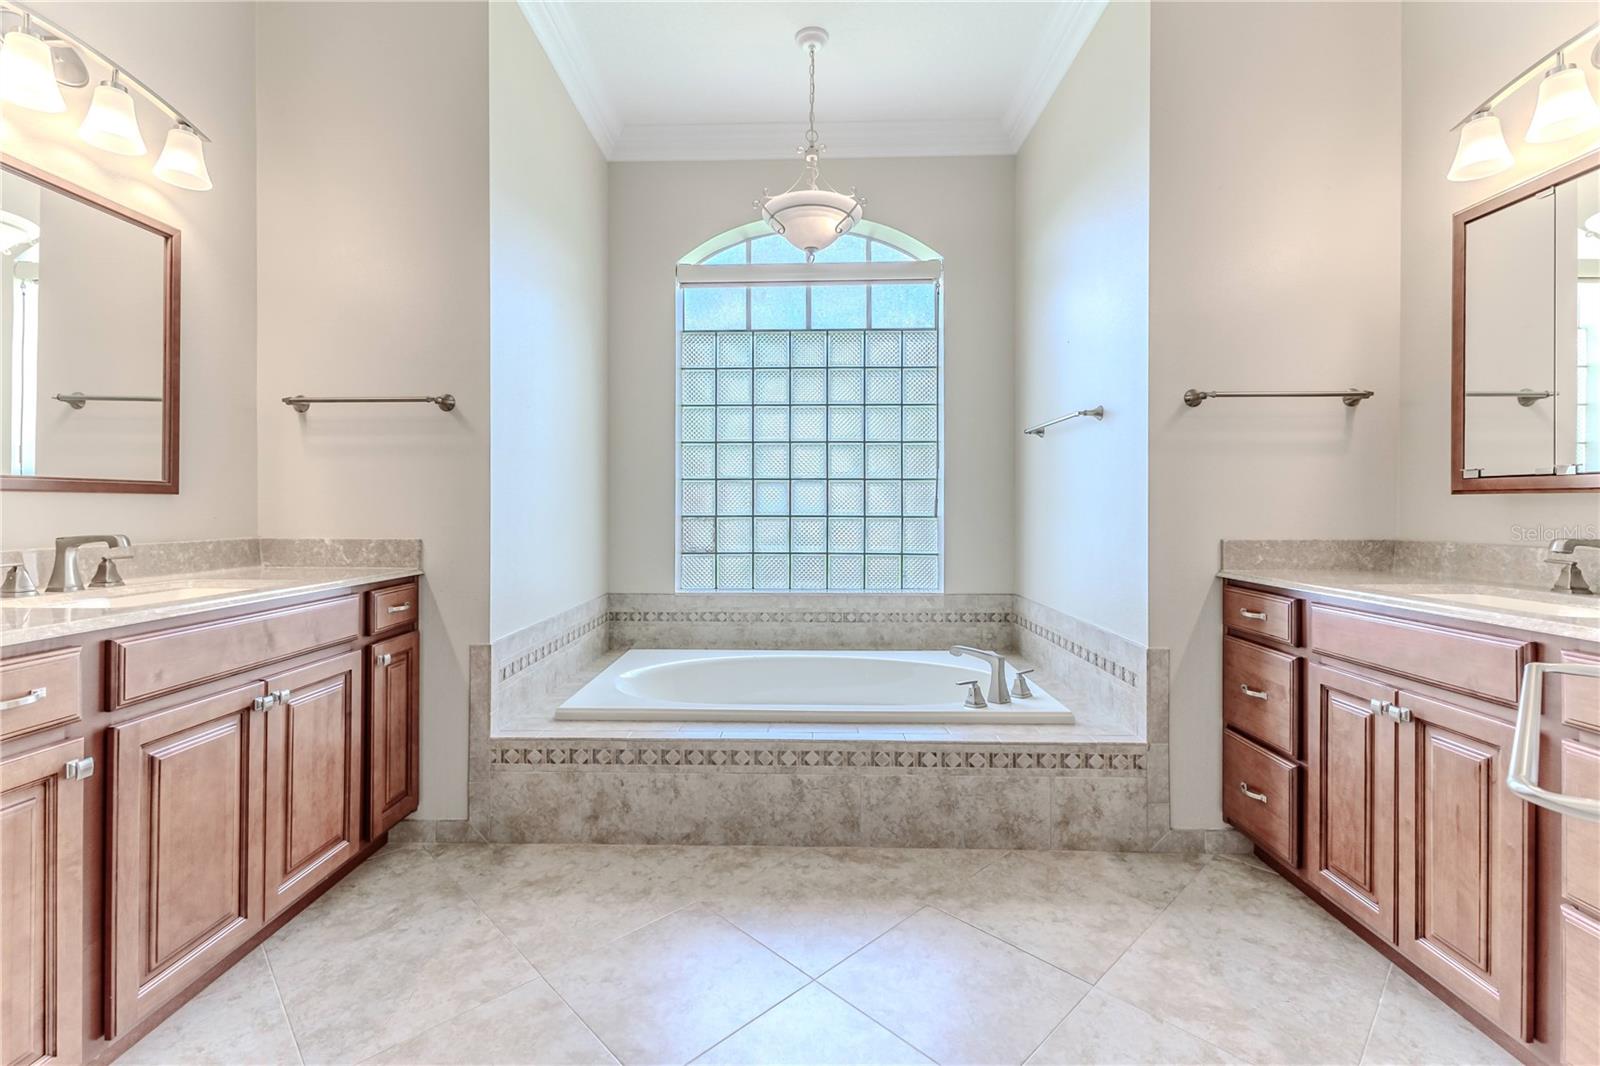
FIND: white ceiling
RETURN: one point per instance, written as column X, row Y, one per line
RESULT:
column 701, row 80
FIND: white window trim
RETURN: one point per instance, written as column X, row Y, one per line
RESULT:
column 730, row 274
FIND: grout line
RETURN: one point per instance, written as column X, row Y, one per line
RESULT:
column 1376, row 1010
column 283, row 1008
column 723, row 1040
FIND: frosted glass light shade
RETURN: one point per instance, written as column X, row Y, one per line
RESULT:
column 111, row 122
column 183, row 161
column 27, row 74
column 1566, row 108
column 1481, row 151
column 812, row 219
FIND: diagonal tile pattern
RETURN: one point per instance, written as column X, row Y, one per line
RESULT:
column 524, row 954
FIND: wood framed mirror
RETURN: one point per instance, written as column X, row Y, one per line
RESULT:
column 89, row 324
column 1525, row 337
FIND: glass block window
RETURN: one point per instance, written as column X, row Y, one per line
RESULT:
column 809, row 430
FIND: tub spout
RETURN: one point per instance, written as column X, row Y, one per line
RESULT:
column 998, row 693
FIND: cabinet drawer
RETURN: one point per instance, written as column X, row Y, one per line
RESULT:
column 1261, row 796
column 1477, row 664
column 38, row 691
column 1580, row 840
column 157, row 663
column 1259, row 613
column 1580, row 696
column 391, row 608
column 1260, row 692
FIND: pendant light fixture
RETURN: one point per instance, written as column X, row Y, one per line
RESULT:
column 811, row 214
column 111, row 122
column 1566, row 108
column 27, row 73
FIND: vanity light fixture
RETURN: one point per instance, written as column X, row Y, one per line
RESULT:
column 27, row 73
column 34, row 66
column 1566, row 108
column 808, row 215
column 111, row 122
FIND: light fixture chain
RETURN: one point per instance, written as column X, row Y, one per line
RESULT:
column 811, row 114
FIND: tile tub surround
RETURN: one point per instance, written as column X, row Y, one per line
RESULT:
column 530, row 954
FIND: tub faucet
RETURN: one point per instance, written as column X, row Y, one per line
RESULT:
column 64, row 576
column 1571, row 577
column 998, row 692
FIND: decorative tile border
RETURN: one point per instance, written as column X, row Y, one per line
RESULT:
column 516, row 665
column 1099, row 661
column 803, row 756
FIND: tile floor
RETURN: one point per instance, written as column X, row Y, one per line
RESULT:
column 479, row 953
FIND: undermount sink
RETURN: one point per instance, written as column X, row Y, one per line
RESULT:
column 108, row 599
column 1587, row 607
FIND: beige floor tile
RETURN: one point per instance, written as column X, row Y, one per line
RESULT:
column 555, row 901
column 392, row 950
column 528, row 1026
column 1077, row 909
column 671, row 990
column 1244, row 961
column 920, row 872
column 813, row 1027
column 237, row 1019
column 956, row 993
column 1104, row 1031
column 812, row 907
column 1416, row 1029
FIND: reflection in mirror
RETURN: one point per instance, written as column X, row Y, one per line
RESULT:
column 1528, row 334
column 84, row 331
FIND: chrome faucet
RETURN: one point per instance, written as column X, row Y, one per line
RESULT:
column 64, row 574
column 1571, row 577
column 997, row 671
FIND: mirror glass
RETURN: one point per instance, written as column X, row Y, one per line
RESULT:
column 1532, row 335
column 83, row 321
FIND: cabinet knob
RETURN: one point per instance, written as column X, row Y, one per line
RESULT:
column 79, row 769
column 383, row 660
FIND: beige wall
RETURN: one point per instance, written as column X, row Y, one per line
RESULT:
column 547, row 246
column 374, row 279
column 1454, row 53
column 202, row 55
column 1082, row 297
column 962, row 207
column 1274, row 261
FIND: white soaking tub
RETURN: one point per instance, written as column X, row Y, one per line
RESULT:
column 905, row 687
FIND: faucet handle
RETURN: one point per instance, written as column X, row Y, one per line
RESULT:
column 106, row 574
column 1570, row 579
column 18, row 582
column 974, row 693
column 1019, row 687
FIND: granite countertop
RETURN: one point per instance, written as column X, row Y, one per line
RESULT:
column 27, row 619
column 1558, row 614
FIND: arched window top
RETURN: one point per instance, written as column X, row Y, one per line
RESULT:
column 755, row 243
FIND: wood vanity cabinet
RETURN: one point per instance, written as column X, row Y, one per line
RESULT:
column 1404, row 729
column 233, row 780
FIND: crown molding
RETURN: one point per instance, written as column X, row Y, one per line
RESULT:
column 563, row 46
column 777, row 140
column 1070, row 25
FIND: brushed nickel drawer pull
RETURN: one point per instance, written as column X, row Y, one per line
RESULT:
column 406, row 606
column 383, row 660
column 1259, row 797
column 1252, row 693
column 1258, row 616
column 22, row 701
column 79, row 769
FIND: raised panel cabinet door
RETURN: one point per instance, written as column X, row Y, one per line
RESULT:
column 393, row 746
column 41, row 907
column 1350, row 812
column 313, row 776
column 185, row 846
column 1580, row 988
column 1466, row 854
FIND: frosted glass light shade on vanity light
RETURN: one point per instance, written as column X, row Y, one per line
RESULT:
column 111, row 123
column 183, row 161
column 1566, row 108
column 27, row 74
column 1481, row 151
